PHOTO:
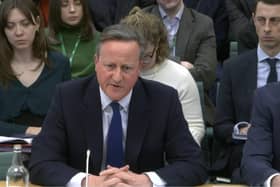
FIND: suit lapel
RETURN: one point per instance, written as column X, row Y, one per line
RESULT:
column 93, row 125
column 137, row 125
column 184, row 32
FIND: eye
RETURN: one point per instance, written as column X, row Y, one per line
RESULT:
column 77, row 2
column 25, row 23
column 275, row 20
column 126, row 69
column 10, row 26
column 109, row 66
column 64, row 3
column 261, row 20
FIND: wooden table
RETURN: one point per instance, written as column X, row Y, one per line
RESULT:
column 3, row 184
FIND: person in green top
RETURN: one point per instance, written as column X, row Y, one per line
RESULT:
column 71, row 32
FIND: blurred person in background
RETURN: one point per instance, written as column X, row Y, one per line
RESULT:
column 71, row 32
column 156, row 66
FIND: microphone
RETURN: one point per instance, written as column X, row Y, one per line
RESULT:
column 87, row 163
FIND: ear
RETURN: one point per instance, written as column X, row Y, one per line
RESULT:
column 96, row 61
column 96, row 58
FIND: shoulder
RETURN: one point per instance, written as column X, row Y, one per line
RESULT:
column 197, row 16
column 77, row 85
column 151, row 9
column 56, row 57
column 176, row 69
column 155, row 89
column 242, row 59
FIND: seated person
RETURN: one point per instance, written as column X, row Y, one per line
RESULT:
column 216, row 10
column 192, row 43
column 260, row 163
column 157, row 67
column 29, row 71
column 71, row 32
column 242, row 75
column 135, row 128
column 241, row 24
column 109, row 12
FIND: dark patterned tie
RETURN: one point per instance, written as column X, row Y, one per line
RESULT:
column 272, row 77
column 115, row 153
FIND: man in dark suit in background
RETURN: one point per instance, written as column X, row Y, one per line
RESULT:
column 242, row 28
column 260, row 162
column 216, row 10
column 108, row 12
column 192, row 42
column 241, row 76
column 153, row 129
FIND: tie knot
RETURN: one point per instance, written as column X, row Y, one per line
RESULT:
column 115, row 106
column 271, row 61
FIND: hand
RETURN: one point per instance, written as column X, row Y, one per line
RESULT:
column 187, row 64
column 100, row 181
column 275, row 182
column 105, row 178
column 244, row 130
column 113, row 170
column 128, row 178
column 33, row 130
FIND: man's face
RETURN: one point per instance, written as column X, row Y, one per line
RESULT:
column 267, row 22
column 117, row 67
column 170, row 5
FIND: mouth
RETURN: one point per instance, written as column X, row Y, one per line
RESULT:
column 267, row 38
column 20, row 41
column 73, row 18
column 115, row 86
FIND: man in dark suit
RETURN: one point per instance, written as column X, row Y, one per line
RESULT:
column 216, row 10
column 241, row 76
column 108, row 12
column 192, row 42
column 153, row 129
column 260, row 162
column 242, row 28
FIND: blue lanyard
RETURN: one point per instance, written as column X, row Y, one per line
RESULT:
column 74, row 49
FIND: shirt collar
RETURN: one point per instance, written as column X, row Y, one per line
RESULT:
column 105, row 100
column 262, row 56
column 178, row 15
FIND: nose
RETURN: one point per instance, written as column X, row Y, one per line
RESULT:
column 117, row 75
column 72, row 7
column 267, row 26
column 18, row 30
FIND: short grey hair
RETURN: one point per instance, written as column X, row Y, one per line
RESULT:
column 121, row 32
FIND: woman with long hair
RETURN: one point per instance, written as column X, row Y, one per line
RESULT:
column 29, row 71
column 71, row 32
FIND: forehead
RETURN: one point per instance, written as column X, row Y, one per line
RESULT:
column 15, row 15
column 128, row 48
column 267, row 10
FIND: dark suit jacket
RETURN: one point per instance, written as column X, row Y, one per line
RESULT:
column 234, row 104
column 195, row 42
column 108, row 12
column 216, row 10
column 156, row 130
column 261, row 157
column 242, row 28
